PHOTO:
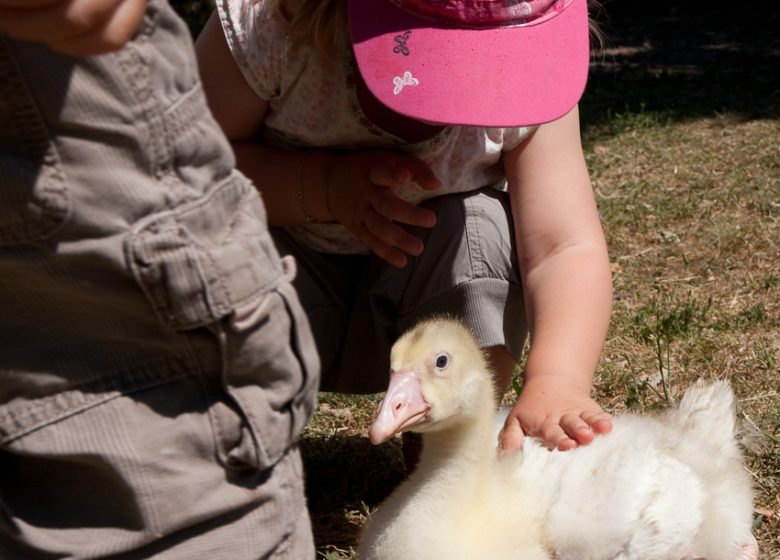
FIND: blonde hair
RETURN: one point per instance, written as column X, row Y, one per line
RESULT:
column 597, row 37
column 323, row 23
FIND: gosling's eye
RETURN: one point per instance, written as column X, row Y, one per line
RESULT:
column 442, row 361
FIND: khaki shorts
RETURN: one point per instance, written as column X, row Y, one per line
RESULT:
column 358, row 306
column 156, row 366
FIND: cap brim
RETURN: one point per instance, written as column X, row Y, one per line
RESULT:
column 508, row 76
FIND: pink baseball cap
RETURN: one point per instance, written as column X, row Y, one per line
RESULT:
column 473, row 62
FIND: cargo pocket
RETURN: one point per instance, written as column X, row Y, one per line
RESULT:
column 211, row 266
column 34, row 199
column 135, row 469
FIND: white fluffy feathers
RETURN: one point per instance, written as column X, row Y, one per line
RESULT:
column 665, row 487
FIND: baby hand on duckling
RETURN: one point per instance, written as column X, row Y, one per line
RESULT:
column 560, row 414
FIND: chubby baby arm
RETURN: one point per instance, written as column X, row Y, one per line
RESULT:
column 567, row 287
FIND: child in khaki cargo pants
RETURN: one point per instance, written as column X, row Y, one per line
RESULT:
column 155, row 364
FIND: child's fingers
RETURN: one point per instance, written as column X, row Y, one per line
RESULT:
column 111, row 35
column 389, row 174
column 55, row 21
column 398, row 170
column 421, row 172
column 80, row 27
column 577, row 429
column 599, row 421
column 511, row 436
column 393, row 235
column 561, row 441
column 554, row 437
column 381, row 249
column 393, row 208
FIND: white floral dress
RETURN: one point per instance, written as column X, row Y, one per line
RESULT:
column 312, row 104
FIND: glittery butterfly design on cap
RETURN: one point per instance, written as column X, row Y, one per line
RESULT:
column 400, row 82
column 401, row 46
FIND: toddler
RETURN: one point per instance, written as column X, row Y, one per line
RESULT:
column 422, row 157
column 156, row 366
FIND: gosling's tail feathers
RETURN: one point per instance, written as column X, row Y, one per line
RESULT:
column 706, row 417
column 707, row 410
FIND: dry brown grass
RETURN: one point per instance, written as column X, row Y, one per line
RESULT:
column 692, row 213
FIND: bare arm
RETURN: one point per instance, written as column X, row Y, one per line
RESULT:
column 240, row 113
column 75, row 27
column 358, row 189
column 567, row 285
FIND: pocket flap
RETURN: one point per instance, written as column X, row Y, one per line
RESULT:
column 200, row 262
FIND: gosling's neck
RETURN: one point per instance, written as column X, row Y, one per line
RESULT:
column 468, row 443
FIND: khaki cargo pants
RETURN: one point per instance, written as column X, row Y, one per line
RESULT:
column 155, row 364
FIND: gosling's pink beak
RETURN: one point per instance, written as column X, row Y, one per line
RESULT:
column 403, row 407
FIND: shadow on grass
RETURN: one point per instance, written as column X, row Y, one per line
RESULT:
column 346, row 477
column 684, row 60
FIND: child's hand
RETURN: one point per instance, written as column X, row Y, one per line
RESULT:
column 75, row 27
column 562, row 415
column 363, row 195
